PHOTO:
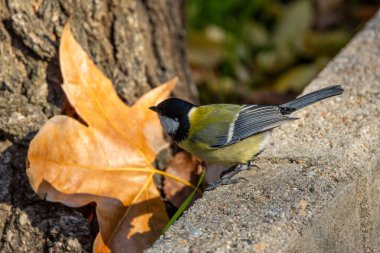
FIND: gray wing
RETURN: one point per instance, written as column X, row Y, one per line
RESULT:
column 252, row 119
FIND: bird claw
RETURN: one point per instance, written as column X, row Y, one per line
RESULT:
column 228, row 174
column 225, row 181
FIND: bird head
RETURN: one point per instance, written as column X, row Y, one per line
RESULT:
column 173, row 114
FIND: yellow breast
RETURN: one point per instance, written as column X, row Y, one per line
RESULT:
column 240, row 152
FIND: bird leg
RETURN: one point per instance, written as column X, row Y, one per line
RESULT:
column 227, row 171
column 227, row 175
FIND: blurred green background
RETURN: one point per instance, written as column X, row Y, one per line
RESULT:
column 266, row 51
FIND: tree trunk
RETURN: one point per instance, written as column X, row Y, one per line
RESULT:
column 137, row 44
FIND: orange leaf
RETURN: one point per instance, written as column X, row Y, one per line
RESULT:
column 108, row 161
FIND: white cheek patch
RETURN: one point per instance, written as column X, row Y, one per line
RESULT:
column 170, row 125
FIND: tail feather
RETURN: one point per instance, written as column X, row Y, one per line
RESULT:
column 310, row 98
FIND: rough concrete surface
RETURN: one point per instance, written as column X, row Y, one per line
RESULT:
column 318, row 186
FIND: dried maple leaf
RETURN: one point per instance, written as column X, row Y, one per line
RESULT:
column 108, row 161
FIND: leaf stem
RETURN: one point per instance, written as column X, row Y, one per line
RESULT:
column 182, row 208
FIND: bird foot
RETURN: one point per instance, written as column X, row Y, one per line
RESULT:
column 226, row 176
column 224, row 181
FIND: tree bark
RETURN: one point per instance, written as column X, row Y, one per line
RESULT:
column 137, row 44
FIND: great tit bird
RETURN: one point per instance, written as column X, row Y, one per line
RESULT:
column 229, row 134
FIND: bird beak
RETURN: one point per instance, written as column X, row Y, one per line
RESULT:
column 154, row 108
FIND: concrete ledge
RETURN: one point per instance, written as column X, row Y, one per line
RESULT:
column 318, row 189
